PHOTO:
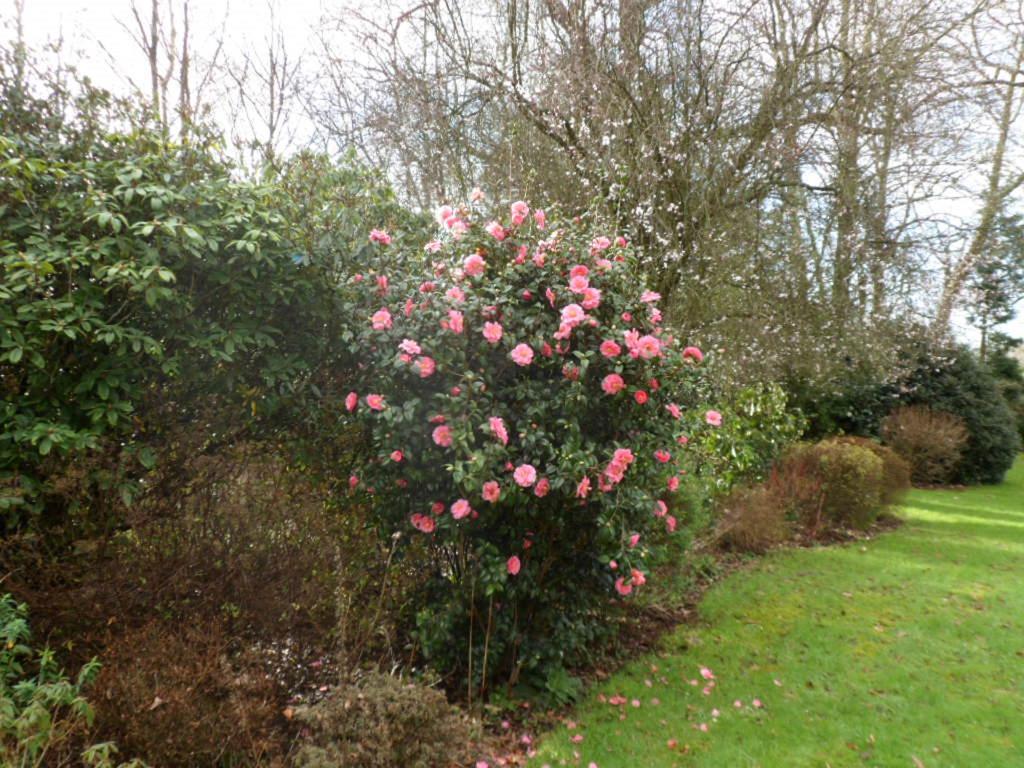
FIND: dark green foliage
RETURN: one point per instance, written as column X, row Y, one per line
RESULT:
column 958, row 384
column 758, row 423
column 383, row 722
column 143, row 286
column 1009, row 374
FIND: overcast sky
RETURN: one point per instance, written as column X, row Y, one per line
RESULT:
column 96, row 38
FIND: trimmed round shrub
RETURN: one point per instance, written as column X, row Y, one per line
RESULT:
column 852, row 481
column 931, row 441
column 380, row 723
column 895, row 469
column 529, row 417
column 751, row 519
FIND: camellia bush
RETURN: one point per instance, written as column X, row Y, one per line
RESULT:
column 530, row 419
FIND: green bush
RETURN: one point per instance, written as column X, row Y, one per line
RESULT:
column 896, row 471
column 836, row 483
column 853, row 481
column 144, row 286
column 380, row 723
column 757, row 425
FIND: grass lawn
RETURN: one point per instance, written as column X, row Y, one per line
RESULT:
column 907, row 650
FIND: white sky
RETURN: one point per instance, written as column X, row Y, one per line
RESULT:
column 94, row 34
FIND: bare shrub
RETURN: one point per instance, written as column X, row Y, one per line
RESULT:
column 751, row 520
column 931, row 441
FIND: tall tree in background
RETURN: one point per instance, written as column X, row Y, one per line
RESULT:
column 997, row 285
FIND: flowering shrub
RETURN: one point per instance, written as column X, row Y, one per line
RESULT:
column 529, row 415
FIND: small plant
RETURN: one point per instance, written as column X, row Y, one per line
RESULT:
column 931, row 441
column 752, row 520
column 43, row 714
column 383, row 722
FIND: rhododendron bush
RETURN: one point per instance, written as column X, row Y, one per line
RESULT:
column 529, row 417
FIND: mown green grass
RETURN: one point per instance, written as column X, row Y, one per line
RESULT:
column 906, row 650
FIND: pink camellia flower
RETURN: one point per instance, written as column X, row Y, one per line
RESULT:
column 491, row 491
column 380, row 236
column 513, row 565
column 610, row 349
column 437, row 507
column 591, row 298
column 623, row 456
column 397, row 455
column 634, row 540
column 410, row 347
column 521, row 254
column 410, row 305
column 654, row 315
column 442, row 436
column 600, row 244
column 498, row 428
column 426, row 366
column 660, row 508
column 670, row 524
column 622, row 587
column 351, row 401
column 550, row 296
column 693, row 353
column 375, row 402
column 527, row 295
column 461, row 509
column 627, row 317
column 381, row 320
column 455, row 321
column 580, row 270
column 573, row 314
column 538, row 259
column 525, row 475
column 474, row 265
column 519, row 211
column 522, row 354
column 382, row 284
column 714, row 418
column 673, row 483
column 663, row 456
column 540, row 219
column 495, row 230
column 540, row 490
column 648, row 346
column 707, row 674
column 640, row 396
column 433, row 246
column 612, row 384
column 423, row 523
column 620, row 241
column 353, row 481
column 444, row 215
column 456, row 294
column 675, row 410
column 638, row 578
column 682, row 439
column 649, row 296
column 458, row 228
column 579, row 284
column 492, row 332
column 583, row 488
column 546, row 350
column 427, row 286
